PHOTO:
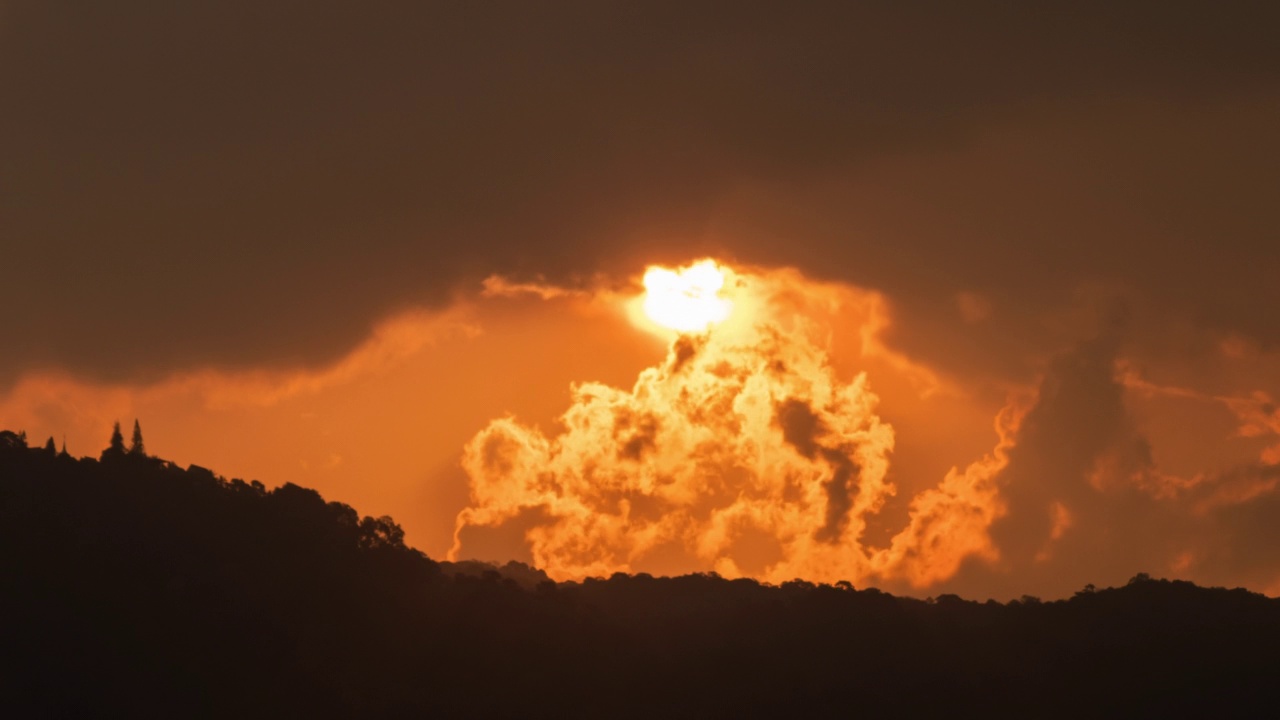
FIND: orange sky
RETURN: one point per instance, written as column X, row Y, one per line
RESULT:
column 384, row 429
column 332, row 243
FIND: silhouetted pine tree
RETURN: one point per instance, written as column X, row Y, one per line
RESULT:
column 116, row 448
column 135, row 446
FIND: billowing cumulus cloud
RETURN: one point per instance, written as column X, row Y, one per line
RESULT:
column 746, row 452
column 742, row 452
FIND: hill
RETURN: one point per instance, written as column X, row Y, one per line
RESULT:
column 132, row 586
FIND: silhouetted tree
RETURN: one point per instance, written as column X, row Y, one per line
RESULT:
column 135, row 446
column 50, row 446
column 116, row 448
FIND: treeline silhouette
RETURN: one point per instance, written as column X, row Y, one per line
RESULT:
column 135, row 587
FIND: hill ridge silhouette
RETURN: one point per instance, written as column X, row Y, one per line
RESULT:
column 132, row 585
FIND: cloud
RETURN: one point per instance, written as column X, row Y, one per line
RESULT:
column 973, row 307
column 390, row 343
column 497, row 286
column 741, row 452
column 244, row 185
column 1075, row 491
column 69, row 405
column 1085, row 493
column 951, row 524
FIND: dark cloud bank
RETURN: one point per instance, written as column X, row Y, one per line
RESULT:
column 247, row 183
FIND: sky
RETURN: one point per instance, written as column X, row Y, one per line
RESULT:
column 1017, row 262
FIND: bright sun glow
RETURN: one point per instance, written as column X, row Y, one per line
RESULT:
column 686, row 299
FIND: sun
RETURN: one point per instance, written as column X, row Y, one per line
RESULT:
column 686, row 299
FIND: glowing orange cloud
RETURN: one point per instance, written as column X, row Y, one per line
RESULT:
column 741, row 452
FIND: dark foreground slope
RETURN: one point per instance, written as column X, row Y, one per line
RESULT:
column 134, row 587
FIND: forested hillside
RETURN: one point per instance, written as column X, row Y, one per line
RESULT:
column 132, row 586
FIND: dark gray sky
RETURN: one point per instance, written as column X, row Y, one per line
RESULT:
column 255, row 183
